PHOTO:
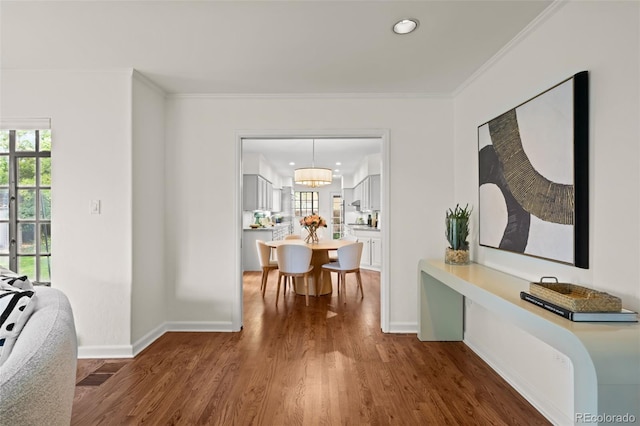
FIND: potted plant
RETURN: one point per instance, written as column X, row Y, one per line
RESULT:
column 457, row 231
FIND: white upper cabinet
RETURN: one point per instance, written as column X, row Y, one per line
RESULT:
column 374, row 192
column 368, row 192
column 257, row 193
column 367, row 184
column 276, row 205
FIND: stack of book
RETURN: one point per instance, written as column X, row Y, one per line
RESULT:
column 624, row 315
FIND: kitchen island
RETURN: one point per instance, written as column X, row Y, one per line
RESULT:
column 250, row 261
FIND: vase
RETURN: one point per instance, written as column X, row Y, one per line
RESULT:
column 312, row 237
column 456, row 257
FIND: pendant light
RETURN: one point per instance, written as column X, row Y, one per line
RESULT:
column 313, row 176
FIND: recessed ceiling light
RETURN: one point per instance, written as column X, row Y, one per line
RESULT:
column 338, row 163
column 405, row 26
column 292, row 163
column 337, row 171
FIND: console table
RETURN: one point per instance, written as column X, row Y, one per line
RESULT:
column 605, row 356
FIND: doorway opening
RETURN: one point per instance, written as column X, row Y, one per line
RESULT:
column 353, row 157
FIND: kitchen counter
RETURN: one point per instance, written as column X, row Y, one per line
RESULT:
column 357, row 227
column 267, row 228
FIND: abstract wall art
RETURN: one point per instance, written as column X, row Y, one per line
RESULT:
column 533, row 182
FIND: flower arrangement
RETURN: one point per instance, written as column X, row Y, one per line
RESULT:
column 311, row 223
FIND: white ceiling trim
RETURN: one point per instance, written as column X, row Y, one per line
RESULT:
column 137, row 75
column 309, row 95
column 551, row 10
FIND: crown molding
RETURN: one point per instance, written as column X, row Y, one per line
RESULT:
column 140, row 77
column 522, row 35
column 309, row 96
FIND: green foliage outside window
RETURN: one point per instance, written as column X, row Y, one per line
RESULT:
column 33, row 183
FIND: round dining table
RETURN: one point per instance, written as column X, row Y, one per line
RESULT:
column 319, row 257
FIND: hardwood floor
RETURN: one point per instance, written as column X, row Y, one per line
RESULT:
column 325, row 364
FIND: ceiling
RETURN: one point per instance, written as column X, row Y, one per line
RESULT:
column 266, row 47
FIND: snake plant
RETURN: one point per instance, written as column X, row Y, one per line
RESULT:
column 457, row 227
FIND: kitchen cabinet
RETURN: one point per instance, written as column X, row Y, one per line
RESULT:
column 276, row 203
column 376, row 252
column 371, row 249
column 364, row 201
column 257, row 193
column 374, row 201
column 368, row 192
column 357, row 193
column 281, row 231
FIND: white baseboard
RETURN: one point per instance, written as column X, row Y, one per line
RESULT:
column 105, row 352
column 528, row 392
column 403, row 327
column 207, row 326
column 126, row 351
column 149, row 338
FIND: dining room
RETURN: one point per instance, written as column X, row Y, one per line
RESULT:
column 335, row 180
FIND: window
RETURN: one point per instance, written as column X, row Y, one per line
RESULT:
column 305, row 203
column 25, row 203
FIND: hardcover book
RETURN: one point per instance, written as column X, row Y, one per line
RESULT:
column 624, row 315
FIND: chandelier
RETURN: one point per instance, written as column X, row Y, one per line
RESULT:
column 313, row 176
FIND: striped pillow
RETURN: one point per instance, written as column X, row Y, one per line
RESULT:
column 21, row 282
column 15, row 309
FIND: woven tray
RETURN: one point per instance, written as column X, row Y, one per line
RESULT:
column 574, row 297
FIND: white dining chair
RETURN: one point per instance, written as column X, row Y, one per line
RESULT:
column 294, row 261
column 348, row 262
column 266, row 263
column 333, row 254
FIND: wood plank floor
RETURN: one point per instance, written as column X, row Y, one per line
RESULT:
column 325, row 364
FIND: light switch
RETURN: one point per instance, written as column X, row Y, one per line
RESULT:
column 95, row 206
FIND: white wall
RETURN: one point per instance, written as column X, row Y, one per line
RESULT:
column 603, row 38
column 254, row 163
column 91, row 160
column 99, row 154
column 201, row 265
column 148, row 305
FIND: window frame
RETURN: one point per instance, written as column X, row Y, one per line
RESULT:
column 41, row 221
column 298, row 202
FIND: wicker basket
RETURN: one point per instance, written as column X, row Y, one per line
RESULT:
column 574, row 297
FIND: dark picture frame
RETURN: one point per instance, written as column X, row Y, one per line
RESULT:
column 534, row 176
